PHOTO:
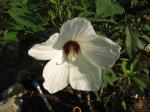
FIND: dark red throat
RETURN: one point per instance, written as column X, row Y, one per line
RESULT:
column 71, row 44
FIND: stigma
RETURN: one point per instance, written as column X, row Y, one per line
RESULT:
column 71, row 50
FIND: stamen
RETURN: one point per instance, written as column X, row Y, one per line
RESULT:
column 71, row 50
column 72, row 55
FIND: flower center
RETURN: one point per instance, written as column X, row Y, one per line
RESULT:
column 71, row 49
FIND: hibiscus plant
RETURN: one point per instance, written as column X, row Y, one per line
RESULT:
column 97, row 46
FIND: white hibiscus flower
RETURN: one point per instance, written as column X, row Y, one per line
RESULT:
column 76, row 56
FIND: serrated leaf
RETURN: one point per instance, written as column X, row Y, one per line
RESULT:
column 105, row 8
column 133, row 43
column 10, row 36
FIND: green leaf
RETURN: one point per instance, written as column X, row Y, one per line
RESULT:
column 24, row 17
column 23, row 1
column 69, row 13
column 124, row 105
column 133, row 43
column 86, row 14
column 145, row 37
column 124, row 67
column 134, row 2
column 105, row 8
column 51, row 14
column 53, row 2
column 14, row 25
column 146, row 27
column 79, row 8
column 141, row 82
column 102, row 20
column 135, row 66
column 10, row 36
column 108, row 77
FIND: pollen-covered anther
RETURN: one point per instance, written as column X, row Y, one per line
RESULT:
column 71, row 50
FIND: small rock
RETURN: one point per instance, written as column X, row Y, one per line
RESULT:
column 15, row 90
column 12, row 104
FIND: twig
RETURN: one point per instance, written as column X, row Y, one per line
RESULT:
column 37, row 86
column 89, row 102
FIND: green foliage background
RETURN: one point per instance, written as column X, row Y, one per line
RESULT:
column 123, row 21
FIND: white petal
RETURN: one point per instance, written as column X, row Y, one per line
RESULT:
column 101, row 51
column 56, row 75
column 75, row 29
column 84, row 76
column 53, row 38
column 45, row 50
